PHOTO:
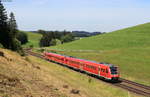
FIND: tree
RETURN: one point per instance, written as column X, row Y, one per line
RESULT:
column 13, row 26
column 4, row 28
column 67, row 38
column 22, row 37
column 13, row 31
column 50, row 37
column 15, row 45
column 8, row 31
column 45, row 41
column 41, row 31
column 53, row 42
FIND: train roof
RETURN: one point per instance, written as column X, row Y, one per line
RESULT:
column 107, row 64
column 104, row 63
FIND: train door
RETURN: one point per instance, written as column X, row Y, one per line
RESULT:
column 99, row 70
column 81, row 66
column 103, row 72
column 65, row 61
column 107, row 72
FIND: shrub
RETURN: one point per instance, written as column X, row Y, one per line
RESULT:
column 16, row 46
column 31, row 46
column 1, row 46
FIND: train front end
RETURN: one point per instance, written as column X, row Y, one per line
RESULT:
column 114, row 73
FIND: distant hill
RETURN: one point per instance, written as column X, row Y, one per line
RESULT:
column 128, row 48
column 85, row 34
column 79, row 33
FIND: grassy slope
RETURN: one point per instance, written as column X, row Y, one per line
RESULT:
column 128, row 48
column 32, row 77
column 131, row 37
column 20, row 77
column 33, row 39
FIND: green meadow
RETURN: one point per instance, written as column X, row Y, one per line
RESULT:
column 34, row 39
column 128, row 48
column 126, row 38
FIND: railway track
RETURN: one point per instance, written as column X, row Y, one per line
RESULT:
column 134, row 87
column 131, row 86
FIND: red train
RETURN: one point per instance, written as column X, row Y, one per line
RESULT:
column 107, row 71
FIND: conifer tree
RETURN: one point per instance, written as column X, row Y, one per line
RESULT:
column 12, row 25
column 4, row 29
column 8, row 31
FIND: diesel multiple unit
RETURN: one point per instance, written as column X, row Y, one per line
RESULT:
column 103, row 70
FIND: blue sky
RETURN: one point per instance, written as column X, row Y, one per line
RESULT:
column 88, row 15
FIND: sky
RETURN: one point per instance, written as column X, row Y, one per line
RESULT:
column 87, row 15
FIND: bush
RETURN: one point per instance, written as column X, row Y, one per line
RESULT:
column 17, row 47
column 31, row 46
column 41, row 50
column 53, row 42
column 1, row 46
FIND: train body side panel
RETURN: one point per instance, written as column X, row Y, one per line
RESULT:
column 101, row 70
column 91, row 67
column 74, row 63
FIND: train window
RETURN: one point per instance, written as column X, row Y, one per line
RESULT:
column 113, row 70
column 103, row 70
column 91, row 67
column 74, row 62
column 81, row 64
column 106, row 70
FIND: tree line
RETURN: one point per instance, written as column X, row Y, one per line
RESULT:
column 10, row 36
column 50, row 38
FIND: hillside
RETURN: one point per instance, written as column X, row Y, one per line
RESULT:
column 20, row 77
column 32, row 77
column 130, row 37
column 128, row 48
column 33, row 39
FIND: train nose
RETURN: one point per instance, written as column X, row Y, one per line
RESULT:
column 115, row 78
column 114, row 75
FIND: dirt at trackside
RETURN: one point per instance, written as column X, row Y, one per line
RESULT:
column 21, row 78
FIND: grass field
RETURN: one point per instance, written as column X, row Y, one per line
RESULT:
column 126, row 38
column 128, row 48
column 33, row 39
column 88, row 87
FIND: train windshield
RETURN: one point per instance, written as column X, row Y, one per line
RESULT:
column 113, row 70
